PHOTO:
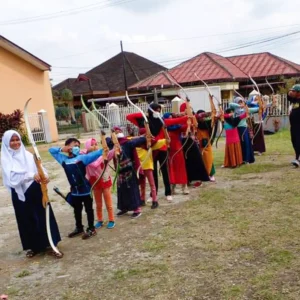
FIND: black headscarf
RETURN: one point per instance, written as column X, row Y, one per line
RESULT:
column 155, row 124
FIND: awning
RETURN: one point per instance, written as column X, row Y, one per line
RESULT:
column 119, row 98
column 260, row 84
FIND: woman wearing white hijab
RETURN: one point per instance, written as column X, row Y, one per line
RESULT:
column 21, row 178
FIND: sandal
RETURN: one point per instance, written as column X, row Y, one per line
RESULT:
column 31, row 254
column 55, row 254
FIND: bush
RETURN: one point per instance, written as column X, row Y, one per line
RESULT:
column 61, row 113
column 12, row 121
column 78, row 113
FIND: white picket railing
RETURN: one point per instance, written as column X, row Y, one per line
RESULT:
column 281, row 109
column 116, row 115
column 37, row 127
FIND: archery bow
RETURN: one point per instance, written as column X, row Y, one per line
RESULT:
column 38, row 162
column 273, row 100
column 104, row 146
column 166, row 134
column 101, row 115
column 148, row 132
column 213, row 113
column 118, row 150
column 247, row 113
column 261, row 108
column 192, row 123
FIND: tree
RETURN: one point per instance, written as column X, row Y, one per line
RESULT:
column 66, row 95
column 56, row 97
column 288, row 83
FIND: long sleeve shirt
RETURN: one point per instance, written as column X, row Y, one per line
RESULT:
column 136, row 118
column 239, row 111
column 75, row 169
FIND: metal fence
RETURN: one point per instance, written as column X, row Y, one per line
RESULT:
column 116, row 116
column 280, row 109
column 37, row 127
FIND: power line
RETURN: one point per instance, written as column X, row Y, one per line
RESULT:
column 101, row 49
column 222, row 50
column 211, row 35
column 179, row 39
column 86, row 8
column 249, row 44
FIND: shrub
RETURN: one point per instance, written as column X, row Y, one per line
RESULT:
column 12, row 121
column 61, row 113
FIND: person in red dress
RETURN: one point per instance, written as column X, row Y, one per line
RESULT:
column 176, row 161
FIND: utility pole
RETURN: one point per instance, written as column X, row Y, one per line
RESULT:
column 123, row 55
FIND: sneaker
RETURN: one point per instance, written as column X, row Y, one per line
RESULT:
column 110, row 225
column 169, row 198
column 259, row 153
column 149, row 200
column 185, row 191
column 75, row 232
column 154, row 205
column 135, row 215
column 99, row 224
column 143, row 203
column 89, row 233
column 212, row 179
column 122, row 212
column 295, row 163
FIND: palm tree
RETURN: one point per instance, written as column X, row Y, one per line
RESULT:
column 67, row 96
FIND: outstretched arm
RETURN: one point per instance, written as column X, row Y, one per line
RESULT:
column 135, row 118
column 138, row 142
column 176, row 121
column 57, row 154
column 234, row 105
column 91, row 157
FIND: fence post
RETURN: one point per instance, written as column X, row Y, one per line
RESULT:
column 175, row 104
column 46, row 125
column 155, row 96
column 84, row 121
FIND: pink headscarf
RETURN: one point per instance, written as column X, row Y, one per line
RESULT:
column 91, row 170
column 89, row 142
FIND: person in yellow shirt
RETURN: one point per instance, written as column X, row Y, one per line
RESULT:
column 147, row 167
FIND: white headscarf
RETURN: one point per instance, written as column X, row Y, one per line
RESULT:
column 16, row 162
column 238, row 110
column 254, row 93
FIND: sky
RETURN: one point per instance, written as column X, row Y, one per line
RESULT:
column 74, row 36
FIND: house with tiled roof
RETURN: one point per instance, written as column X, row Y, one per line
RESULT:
column 107, row 79
column 230, row 73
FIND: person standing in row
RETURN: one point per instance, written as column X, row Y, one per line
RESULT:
column 74, row 165
column 102, row 188
column 20, row 177
column 239, row 107
column 127, row 164
column 294, row 99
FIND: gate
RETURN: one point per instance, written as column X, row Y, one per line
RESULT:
column 37, row 127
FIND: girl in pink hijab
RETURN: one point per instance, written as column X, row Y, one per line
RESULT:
column 103, row 186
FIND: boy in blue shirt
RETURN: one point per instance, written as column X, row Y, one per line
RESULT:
column 74, row 164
